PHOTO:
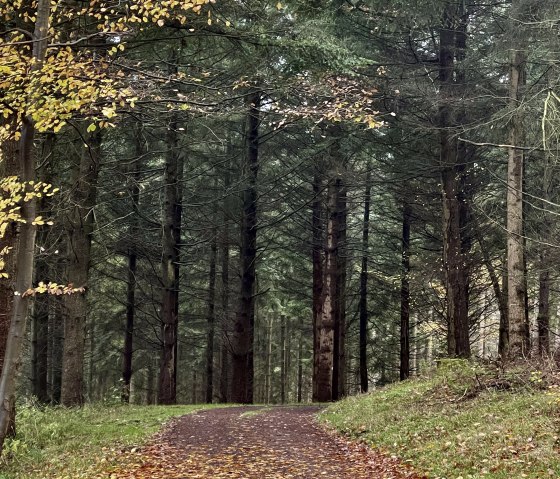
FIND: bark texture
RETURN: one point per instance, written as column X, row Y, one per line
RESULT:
column 172, row 212
column 519, row 340
column 404, row 368
column 364, row 382
column 79, row 229
column 243, row 333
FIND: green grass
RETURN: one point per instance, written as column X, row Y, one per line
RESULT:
column 55, row 442
column 457, row 426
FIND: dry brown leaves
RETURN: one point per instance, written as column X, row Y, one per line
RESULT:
column 276, row 443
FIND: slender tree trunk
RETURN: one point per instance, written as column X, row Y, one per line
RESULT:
column 79, row 227
column 300, row 363
column 211, row 317
column 316, row 257
column 172, row 211
column 500, row 295
column 132, row 257
column 225, row 353
column 364, row 382
column 519, row 337
column 456, row 275
column 282, row 359
column 404, row 369
column 339, row 360
column 543, row 319
column 10, row 167
column 39, row 337
column 26, row 241
column 41, row 304
column 243, row 333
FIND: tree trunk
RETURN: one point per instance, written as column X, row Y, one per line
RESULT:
column 26, row 241
column 316, row 257
column 543, row 319
column 404, row 369
column 339, row 360
column 242, row 347
column 519, row 336
column 500, row 295
column 327, row 324
column 211, row 317
column 79, row 228
column 364, row 382
column 300, row 363
column 10, row 167
column 456, row 275
column 172, row 212
column 225, row 352
column 132, row 258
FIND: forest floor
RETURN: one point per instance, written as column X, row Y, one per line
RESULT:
column 254, row 443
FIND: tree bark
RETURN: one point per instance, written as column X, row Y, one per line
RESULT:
column 456, row 275
column 364, row 382
column 79, row 229
column 339, row 360
column 543, row 318
column 225, row 326
column 172, row 213
column 132, row 259
column 317, row 260
column 26, row 240
column 519, row 336
column 243, row 331
column 211, row 317
column 404, row 368
column 327, row 323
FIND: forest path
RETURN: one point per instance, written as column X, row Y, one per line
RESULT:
column 252, row 442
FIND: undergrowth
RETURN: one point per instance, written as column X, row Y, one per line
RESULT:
column 61, row 443
column 467, row 421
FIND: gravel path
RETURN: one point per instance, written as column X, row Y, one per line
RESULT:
column 256, row 443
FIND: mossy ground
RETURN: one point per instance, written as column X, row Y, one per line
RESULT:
column 464, row 422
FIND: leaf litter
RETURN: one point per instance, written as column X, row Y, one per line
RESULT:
column 272, row 443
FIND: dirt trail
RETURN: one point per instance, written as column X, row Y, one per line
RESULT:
column 256, row 443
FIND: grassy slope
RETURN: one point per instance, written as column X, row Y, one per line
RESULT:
column 74, row 443
column 450, row 427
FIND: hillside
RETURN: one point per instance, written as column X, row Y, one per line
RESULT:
column 464, row 422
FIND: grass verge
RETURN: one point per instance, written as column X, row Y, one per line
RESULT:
column 55, row 442
column 461, row 424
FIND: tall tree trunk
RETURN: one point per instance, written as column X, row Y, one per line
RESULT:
column 300, row 362
column 456, row 275
column 519, row 336
column 543, row 318
column 211, row 316
column 8, row 242
column 364, row 382
column 26, row 240
column 327, row 324
column 404, row 369
column 225, row 326
column 79, row 228
column 41, row 304
column 339, row 360
column 283, row 359
column 132, row 259
column 243, row 333
column 172, row 212
column 317, row 260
